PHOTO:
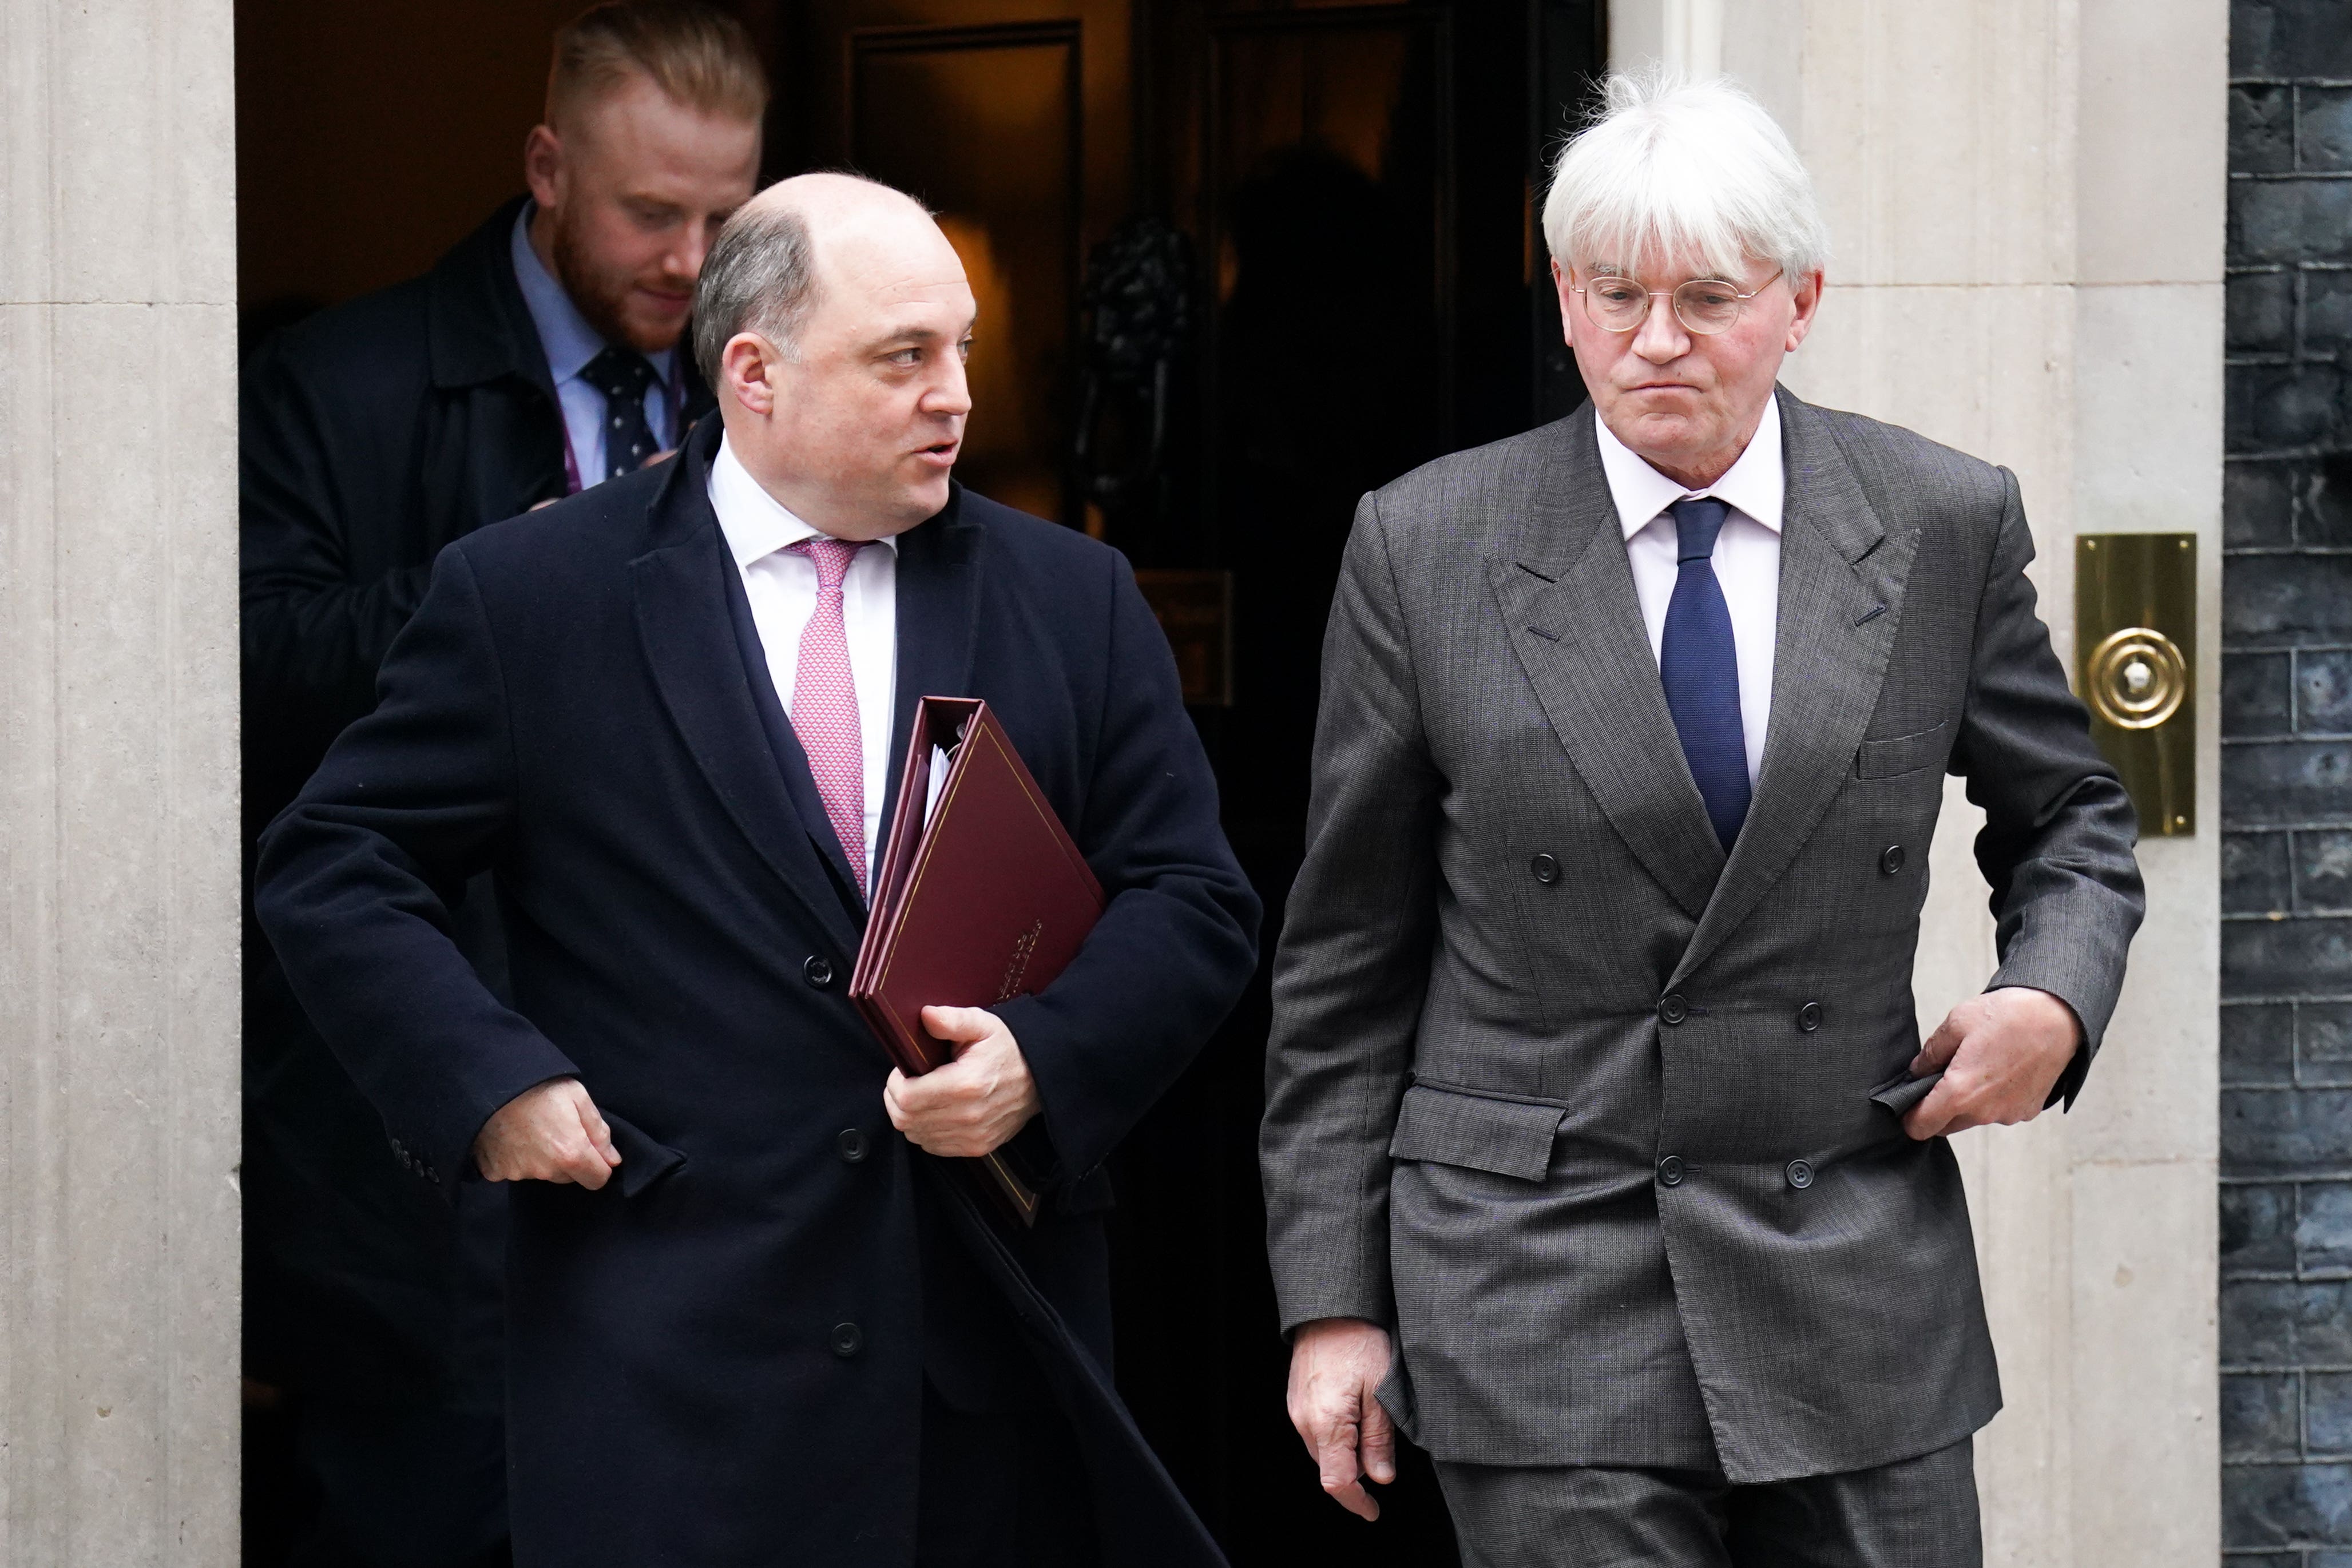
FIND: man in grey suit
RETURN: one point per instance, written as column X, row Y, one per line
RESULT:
column 1601, row 1150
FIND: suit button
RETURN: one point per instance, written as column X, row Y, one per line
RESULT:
column 1800, row 1174
column 817, row 972
column 1669, row 1171
column 1891, row 861
column 848, row 1339
column 1809, row 1017
column 1546, row 869
column 851, row 1144
column 1672, row 1008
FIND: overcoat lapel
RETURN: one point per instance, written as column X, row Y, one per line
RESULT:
column 939, row 620
column 1841, row 581
column 685, row 623
column 1575, row 621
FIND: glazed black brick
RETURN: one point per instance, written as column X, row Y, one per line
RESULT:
column 2286, row 1504
column 2264, row 1560
column 2258, row 502
column 2327, row 311
column 2257, row 694
column 2324, row 139
column 2261, row 315
column 2290, row 220
column 2283, row 602
column 2323, row 1047
column 2262, row 129
column 2254, row 873
column 2290, row 38
column 2328, row 1414
column 2257, row 1044
column 2276, row 408
column 2286, row 1132
column 2323, row 1230
column 2262, row 1416
column 2324, row 512
column 2323, row 871
column 2284, row 958
column 2323, row 695
column 2279, row 782
column 2257, row 1229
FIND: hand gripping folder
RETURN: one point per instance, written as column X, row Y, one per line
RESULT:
column 982, row 897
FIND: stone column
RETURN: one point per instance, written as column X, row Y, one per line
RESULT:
column 117, row 785
column 2026, row 198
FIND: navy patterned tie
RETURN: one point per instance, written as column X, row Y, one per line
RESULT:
column 623, row 375
column 1701, row 670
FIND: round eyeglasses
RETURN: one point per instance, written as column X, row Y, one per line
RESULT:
column 1704, row 305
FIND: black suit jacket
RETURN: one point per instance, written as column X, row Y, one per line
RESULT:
column 373, row 433
column 718, row 1358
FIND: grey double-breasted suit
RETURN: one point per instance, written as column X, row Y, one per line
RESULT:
column 1581, row 1108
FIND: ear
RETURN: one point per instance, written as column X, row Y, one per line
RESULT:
column 1559, row 281
column 749, row 367
column 1807, row 297
column 542, row 166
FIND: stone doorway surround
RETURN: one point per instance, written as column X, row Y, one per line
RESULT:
column 2026, row 199
column 119, row 1119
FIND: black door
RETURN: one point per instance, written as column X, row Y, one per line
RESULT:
column 1238, row 264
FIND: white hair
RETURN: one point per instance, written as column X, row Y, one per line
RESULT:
column 1674, row 167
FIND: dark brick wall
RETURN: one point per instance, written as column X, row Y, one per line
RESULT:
column 2287, row 794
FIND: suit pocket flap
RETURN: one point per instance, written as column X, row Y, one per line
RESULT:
column 1904, row 753
column 1508, row 1137
column 1901, row 1091
column 643, row 1161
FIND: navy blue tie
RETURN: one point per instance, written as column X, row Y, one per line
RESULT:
column 623, row 375
column 1701, row 670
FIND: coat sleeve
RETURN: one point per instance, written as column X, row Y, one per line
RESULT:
column 1353, row 965
column 2059, row 829
column 1177, row 941
column 311, row 636
column 357, row 878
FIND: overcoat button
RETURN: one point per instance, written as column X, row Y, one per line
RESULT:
column 1546, row 869
column 1809, row 1017
column 818, row 972
column 1800, row 1174
column 848, row 1339
column 852, row 1146
column 1672, row 1008
column 1891, row 861
column 1669, row 1171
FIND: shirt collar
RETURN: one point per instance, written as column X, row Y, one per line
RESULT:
column 756, row 524
column 1755, row 486
column 563, row 332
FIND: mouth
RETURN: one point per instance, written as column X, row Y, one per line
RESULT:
column 939, row 453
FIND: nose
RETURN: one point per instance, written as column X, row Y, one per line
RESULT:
column 1662, row 338
column 950, row 394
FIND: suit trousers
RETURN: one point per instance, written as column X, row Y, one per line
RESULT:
column 1914, row 1513
column 1002, row 1489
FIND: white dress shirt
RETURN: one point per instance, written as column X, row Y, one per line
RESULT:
column 571, row 343
column 781, row 587
column 1746, row 557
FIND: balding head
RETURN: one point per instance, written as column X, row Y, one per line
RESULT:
column 832, row 319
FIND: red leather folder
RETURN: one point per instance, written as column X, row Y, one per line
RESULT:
column 982, row 897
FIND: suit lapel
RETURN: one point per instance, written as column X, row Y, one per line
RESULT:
column 1569, row 609
column 685, row 622
column 1841, row 599
column 938, row 574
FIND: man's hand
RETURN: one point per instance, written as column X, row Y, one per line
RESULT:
column 1336, row 1364
column 2000, row 1053
column 551, row 1133
column 974, row 1105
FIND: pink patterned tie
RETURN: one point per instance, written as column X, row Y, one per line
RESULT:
column 824, row 702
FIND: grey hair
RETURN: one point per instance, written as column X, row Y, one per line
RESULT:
column 1675, row 166
column 759, row 277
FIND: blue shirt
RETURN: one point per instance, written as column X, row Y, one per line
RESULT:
column 571, row 343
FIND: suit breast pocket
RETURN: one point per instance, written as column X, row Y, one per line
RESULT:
column 1903, row 754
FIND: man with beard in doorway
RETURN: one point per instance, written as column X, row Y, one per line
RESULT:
column 540, row 357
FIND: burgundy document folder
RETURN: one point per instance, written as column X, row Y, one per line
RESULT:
column 982, row 897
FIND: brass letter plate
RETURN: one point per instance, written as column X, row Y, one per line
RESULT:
column 2135, row 667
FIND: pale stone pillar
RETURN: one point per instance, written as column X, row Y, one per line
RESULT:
column 2027, row 202
column 117, row 785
